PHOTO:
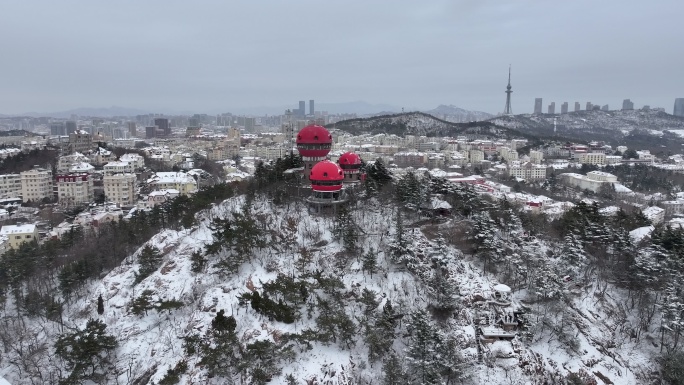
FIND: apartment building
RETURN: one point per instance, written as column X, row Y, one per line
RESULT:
column 475, row 156
column 161, row 196
column 536, row 157
column 184, row 183
column 120, row 188
column 528, row 171
column 508, row 154
column 593, row 181
column 80, row 141
column 410, row 159
column 10, row 186
column 135, row 159
column 675, row 207
column 596, row 158
column 66, row 163
column 19, row 234
column 74, row 189
column 118, row 168
column 36, row 185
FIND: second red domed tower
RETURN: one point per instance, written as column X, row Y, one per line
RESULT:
column 326, row 182
column 350, row 163
column 313, row 143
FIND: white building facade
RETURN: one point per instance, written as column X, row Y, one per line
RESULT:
column 74, row 189
column 120, row 189
column 10, row 186
column 36, row 185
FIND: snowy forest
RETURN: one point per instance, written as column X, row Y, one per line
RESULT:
column 414, row 280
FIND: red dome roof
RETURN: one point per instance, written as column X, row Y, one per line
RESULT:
column 314, row 134
column 326, row 171
column 349, row 159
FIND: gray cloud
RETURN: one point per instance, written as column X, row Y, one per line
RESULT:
column 214, row 55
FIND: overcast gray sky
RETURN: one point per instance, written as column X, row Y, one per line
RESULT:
column 209, row 56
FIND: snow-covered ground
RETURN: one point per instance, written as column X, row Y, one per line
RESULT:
column 154, row 341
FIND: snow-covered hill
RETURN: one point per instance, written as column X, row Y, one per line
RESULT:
column 309, row 248
column 420, row 123
column 455, row 114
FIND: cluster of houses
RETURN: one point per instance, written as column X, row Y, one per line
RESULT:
column 122, row 183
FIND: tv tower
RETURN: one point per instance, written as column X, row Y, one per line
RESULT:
column 507, row 110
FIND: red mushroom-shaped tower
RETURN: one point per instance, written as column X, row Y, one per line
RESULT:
column 351, row 163
column 326, row 182
column 313, row 143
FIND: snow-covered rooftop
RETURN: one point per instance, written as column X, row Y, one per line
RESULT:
column 17, row 229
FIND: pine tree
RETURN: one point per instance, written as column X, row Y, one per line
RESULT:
column 143, row 303
column 572, row 255
column 488, row 245
column 401, row 254
column 453, row 365
column 380, row 332
column 370, row 262
column 150, row 259
column 422, row 353
column 378, row 172
column 368, row 299
column 346, row 230
column 100, row 305
column 290, row 379
column 444, row 293
column 393, row 372
column 86, row 352
column 222, row 324
column 411, row 191
column 198, row 260
column 169, row 305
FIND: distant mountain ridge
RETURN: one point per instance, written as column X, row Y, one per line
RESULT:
column 358, row 107
column 103, row 112
column 449, row 113
column 455, row 114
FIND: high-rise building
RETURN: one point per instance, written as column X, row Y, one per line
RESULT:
column 163, row 125
column 577, row 106
column 70, row 127
column 627, row 104
column 312, row 111
column 552, row 108
column 150, row 132
column 590, row 106
column 604, row 108
column 132, row 130
column 508, row 110
column 302, row 108
column 57, row 128
column 678, row 107
column 538, row 105
column 564, row 108
column 250, row 123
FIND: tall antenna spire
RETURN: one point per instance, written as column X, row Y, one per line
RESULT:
column 508, row 110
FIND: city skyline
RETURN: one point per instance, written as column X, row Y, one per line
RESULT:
column 152, row 56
